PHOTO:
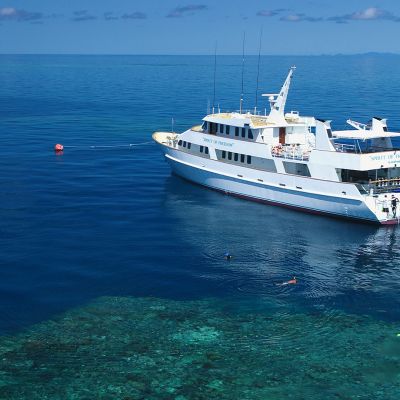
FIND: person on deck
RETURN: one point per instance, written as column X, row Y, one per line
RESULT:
column 394, row 202
column 385, row 206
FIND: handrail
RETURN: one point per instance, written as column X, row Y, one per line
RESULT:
column 383, row 186
column 292, row 153
column 351, row 148
column 345, row 148
column 385, row 180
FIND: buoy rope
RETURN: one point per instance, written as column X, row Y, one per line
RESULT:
column 108, row 146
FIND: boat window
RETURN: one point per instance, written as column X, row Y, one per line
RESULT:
column 184, row 144
column 248, row 159
column 243, row 132
column 221, row 128
column 236, row 156
column 206, row 150
column 296, row 168
column 349, row 175
column 204, row 126
column 229, row 155
column 201, row 149
column 242, row 158
column 329, row 131
column 227, row 129
column 223, row 154
column 180, row 143
column 236, row 131
column 189, row 145
column 250, row 134
column 212, row 128
column 266, row 165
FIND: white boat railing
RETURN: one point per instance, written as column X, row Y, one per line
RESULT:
column 380, row 186
column 346, row 148
column 291, row 152
column 356, row 148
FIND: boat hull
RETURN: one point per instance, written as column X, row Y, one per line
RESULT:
column 300, row 193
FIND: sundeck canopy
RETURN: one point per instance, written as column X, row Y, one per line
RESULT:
column 363, row 134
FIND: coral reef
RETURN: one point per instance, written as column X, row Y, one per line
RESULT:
column 148, row 348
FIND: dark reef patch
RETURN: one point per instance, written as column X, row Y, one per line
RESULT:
column 148, row 348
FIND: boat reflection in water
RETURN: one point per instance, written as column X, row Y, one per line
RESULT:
column 338, row 264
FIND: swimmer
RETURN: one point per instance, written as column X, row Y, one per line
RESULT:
column 290, row 282
column 228, row 256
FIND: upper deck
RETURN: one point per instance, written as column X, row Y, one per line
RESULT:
column 365, row 147
column 366, row 138
column 259, row 121
column 276, row 118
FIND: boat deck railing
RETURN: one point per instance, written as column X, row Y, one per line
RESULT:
column 346, row 148
column 379, row 186
column 359, row 149
column 291, row 152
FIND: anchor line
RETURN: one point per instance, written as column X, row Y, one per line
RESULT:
column 93, row 147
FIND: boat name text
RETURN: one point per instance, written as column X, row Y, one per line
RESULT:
column 389, row 158
column 216, row 141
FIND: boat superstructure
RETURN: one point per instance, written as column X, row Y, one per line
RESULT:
column 291, row 160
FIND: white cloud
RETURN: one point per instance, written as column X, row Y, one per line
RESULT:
column 8, row 12
column 13, row 14
column 300, row 18
column 369, row 14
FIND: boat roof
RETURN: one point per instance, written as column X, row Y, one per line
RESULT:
column 276, row 117
column 256, row 121
column 363, row 134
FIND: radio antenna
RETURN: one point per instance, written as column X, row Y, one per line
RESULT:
column 258, row 72
column 215, row 74
column 241, row 95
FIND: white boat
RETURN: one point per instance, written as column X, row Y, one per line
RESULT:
column 293, row 161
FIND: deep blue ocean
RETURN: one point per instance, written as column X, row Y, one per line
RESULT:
column 111, row 221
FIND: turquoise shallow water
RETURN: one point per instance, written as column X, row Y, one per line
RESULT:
column 147, row 348
column 113, row 282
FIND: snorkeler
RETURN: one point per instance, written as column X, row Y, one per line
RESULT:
column 228, row 256
column 290, row 282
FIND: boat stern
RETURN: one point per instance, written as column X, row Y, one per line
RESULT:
column 385, row 211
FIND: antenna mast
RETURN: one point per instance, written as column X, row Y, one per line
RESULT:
column 258, row 72
column 241, row 95
column 215, row 73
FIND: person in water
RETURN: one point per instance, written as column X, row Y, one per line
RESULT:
column 394, row 200
column 228, row 256
column 292, row 281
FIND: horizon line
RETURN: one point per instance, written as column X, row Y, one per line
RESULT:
column 201, row 55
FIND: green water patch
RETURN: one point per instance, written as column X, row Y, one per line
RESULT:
column 148, row 348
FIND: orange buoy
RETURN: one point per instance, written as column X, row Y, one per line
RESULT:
column 58, row 147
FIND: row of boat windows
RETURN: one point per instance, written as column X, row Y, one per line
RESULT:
column 213, row 128
column 235, row 157
column 188, row 145
column 264, row 164
column 243, row 159
column 267, row 165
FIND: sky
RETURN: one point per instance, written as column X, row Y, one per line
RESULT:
column 194, row 26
